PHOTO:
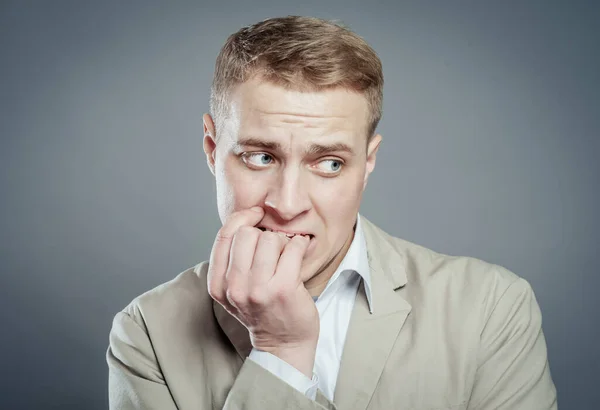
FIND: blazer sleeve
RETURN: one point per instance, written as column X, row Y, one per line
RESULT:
column 136, row 381
column 513, row 371
column 257, row 388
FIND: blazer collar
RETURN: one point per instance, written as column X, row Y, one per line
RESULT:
column 371, row 336
column 383, row 256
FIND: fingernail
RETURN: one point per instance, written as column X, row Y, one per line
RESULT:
column 257, row 209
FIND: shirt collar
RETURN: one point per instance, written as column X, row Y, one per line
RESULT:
column 356, row 260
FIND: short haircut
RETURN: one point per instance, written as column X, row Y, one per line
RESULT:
column 300, row 53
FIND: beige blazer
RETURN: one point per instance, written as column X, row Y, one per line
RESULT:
column 446, row 333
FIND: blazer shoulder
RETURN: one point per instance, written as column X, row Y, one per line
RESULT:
column 474, row 286
column 466, row 270
column 186, row 292
column 431, row 270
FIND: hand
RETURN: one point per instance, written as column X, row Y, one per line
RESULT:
column 255, row 276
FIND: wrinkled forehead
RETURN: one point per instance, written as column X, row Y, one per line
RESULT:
column 259, row 106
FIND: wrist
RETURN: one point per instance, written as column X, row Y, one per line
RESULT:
column 302, row 357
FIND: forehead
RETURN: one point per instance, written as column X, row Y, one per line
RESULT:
column 257, row 105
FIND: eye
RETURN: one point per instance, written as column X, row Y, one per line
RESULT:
column 330, row 166
column 257, row 159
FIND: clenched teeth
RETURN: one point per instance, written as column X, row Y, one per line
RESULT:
column 287, row 234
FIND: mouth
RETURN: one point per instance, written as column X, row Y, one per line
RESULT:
column 289, row 235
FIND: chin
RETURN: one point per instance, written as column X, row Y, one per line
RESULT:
column 312, row 267
column 307, row 273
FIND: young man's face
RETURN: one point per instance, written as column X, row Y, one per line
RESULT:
column 301, row 156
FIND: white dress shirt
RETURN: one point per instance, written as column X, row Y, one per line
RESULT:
column 335, row 307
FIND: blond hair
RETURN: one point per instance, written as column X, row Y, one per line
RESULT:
column 301, row 53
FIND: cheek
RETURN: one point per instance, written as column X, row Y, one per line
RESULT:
column 340, row 198
column 237, row 188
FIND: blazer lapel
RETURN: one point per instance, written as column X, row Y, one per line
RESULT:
column 371, row 336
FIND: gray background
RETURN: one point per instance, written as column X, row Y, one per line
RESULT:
column 491, row 126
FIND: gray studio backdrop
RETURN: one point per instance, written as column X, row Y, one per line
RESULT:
column 491, row 143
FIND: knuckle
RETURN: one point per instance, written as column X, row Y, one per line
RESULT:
column 257, row 297
column 223, row 235
column 214, row 292
column 235, row 295
column 281, row 294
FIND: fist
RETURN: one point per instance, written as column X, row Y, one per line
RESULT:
column 255, row 276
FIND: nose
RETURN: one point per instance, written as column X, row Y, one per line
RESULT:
column 288, row 197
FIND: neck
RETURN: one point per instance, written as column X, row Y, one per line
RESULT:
column 316, row 285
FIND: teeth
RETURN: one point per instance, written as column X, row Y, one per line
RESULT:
column 289, row 235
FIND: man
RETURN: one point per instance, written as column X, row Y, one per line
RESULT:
column 305, row 304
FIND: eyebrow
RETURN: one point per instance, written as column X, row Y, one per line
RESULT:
column 313, row 149
column 258, row 143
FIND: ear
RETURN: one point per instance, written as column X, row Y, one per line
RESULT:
column 372, row 149
column 210, row 143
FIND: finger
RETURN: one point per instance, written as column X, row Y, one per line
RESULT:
column 240, row 261
column 290, row 262
column 268, row 250
column 242, row 254
column 219, row 256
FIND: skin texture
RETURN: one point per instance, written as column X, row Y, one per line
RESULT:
column 301, row 159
